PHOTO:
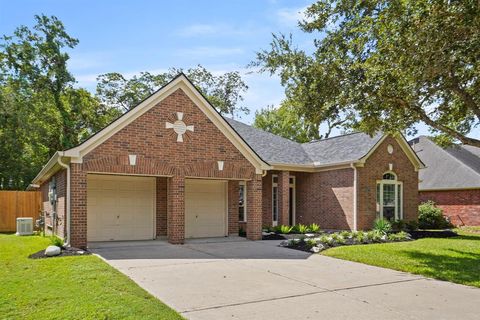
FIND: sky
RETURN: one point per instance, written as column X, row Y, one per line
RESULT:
column 141, row 35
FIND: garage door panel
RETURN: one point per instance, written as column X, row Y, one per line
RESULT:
column 205, row 208
column 120, row 208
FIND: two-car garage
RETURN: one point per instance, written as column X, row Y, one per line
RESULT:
column 124, row 208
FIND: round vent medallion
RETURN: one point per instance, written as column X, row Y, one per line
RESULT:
column 179, row 127
column 390, row 149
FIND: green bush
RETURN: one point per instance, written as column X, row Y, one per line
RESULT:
column 398, row 225
column 301, row 228
column 400, row 236
column 382, row 225
column 283, row 229
column 411, row 225
column 314, row 227
column 431, row 217
column 56, row 241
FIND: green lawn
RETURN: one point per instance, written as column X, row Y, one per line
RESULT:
column 452, row 259
column 81, row 287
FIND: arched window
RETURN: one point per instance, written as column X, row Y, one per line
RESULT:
column 389, row 176
column 389, row 197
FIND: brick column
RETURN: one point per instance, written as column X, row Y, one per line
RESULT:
column 233, row 193
column 283, row 197
column 161, row 210
column 176, row 210
column 254, row 208
column 78, row 206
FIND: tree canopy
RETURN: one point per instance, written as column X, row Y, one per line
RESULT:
column 224, row 91
column 385, row 65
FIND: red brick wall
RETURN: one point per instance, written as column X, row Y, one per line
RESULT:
column 325, row 198
column 233, row 195
column 159, row 154
column 376, row 165
column 161, row 206
column 61, row 181
column 267, row 199
column 254, row 208
column 461, row 206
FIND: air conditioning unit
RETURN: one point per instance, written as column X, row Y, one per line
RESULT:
column 24, row 226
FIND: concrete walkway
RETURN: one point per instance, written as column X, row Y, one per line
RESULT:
column 240, row 279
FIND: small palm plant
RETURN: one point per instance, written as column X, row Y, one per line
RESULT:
column 285, row 229
column 302, row 228
column 314, row 228
column 382, row 225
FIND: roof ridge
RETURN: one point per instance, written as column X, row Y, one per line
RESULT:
column 329, row 138
column 453, row 157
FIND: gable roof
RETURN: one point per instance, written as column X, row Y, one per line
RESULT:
column 340, row 150
column 456, row 167
column 346, row 148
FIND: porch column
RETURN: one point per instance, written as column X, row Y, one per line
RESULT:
column 176, row 210
column 78, row 206
column 254, row 208
column 283, row 197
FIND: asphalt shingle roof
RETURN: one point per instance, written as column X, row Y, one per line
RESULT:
column 454, row 167
column 275, row 149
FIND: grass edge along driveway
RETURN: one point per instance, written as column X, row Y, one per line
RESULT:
column 80, row 287
column 452, row 259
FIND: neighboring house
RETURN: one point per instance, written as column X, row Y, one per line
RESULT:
column 174, row 167
column 451, row 179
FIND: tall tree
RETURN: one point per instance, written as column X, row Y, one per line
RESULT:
column 224, row 91
column 387, row 65
column 40, row 110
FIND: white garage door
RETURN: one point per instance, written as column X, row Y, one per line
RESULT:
column 205, row 208
column 120, row 208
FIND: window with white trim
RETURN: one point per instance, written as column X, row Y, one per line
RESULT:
column 242, row 202
column 274, row 199
column 389, row 197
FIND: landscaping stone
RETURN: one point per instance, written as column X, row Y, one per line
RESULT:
column 52, row 251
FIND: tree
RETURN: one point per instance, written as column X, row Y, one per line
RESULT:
column 286, row 121
column 386, row 65
column 40, row 110
column 225, row 91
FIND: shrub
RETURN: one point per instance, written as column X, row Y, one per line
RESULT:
column 314, row 227
column 283, row 229
column 242, row 232
column 56, row 241
column 301, row 228
column 411, row 225
column 310, row 242
column 399, row 225
column 337, row 238
column 346, row 234
column 400, row 236
column 382, row 225
column 431, row 217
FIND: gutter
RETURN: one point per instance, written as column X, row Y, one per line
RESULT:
column 67, row 167
column 352, row 165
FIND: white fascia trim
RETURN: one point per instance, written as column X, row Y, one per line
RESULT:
column 450, row 189
column 313, row 167
column 411, row 155
column 52, row 162
column 179, row 83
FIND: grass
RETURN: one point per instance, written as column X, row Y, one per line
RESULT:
column 80, row 287
column 452, row 259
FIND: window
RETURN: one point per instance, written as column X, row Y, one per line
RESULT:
column 274, row 200
column 242, row 202
column 389, row 197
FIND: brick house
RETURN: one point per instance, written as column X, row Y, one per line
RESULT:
column 451, row 178
column 173, row 167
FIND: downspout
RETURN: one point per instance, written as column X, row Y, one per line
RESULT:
column 66, row 166
column 352, row 165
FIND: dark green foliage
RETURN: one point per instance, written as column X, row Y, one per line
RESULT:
column 382, row 225
column 431, row 217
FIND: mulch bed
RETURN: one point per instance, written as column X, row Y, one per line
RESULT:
column 273, row 237
column 66, row 252
column 420, row 234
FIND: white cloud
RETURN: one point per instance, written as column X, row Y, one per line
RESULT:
column 210, row 52
column 290, row 16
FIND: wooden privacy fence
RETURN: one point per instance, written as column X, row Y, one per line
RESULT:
column 15, row 204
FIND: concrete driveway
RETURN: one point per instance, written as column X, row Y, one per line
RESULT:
column 241, row 279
